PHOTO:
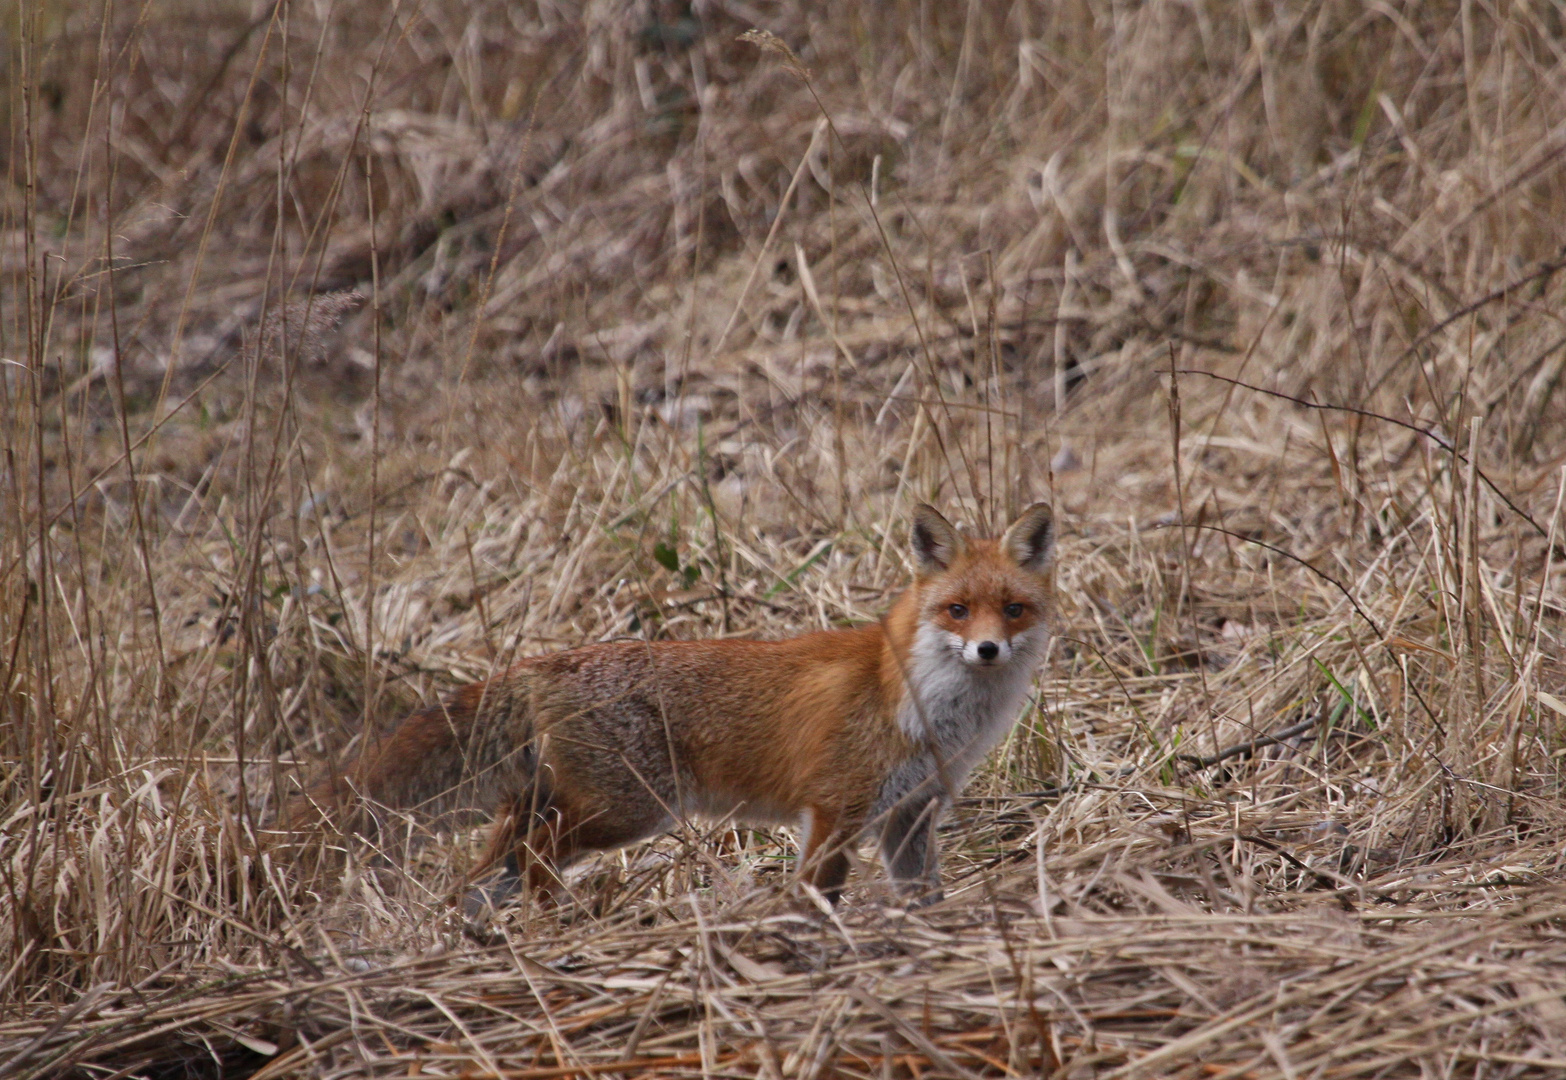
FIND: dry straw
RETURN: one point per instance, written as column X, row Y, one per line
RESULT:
column 664, row 334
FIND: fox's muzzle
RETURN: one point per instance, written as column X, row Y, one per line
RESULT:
column 987, row 652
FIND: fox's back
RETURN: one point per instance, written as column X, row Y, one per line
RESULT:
column 763, row 723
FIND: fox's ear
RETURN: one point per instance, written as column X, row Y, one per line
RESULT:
column 1031, row 538
column 935, row 542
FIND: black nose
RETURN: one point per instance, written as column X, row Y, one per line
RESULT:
column 988, row 650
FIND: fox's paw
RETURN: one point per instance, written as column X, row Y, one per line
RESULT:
column 915, row 896
column 480, row 929
column 481, row 901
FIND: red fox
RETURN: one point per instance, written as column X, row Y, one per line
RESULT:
column 839, row 731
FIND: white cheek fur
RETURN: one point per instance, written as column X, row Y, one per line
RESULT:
column 1030, row 643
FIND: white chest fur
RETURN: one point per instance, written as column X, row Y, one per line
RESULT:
column 962, row 709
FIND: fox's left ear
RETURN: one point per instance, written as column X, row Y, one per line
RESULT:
column 1031, row 538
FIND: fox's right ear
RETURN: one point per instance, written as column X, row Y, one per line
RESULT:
column 935, row 541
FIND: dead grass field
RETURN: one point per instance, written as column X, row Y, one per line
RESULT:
column 350, row 350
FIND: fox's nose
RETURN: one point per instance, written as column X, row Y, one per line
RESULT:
column 988, row 650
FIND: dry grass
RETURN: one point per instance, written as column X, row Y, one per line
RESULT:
column 660, row 333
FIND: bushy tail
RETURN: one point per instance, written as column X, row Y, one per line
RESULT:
column 473, row 752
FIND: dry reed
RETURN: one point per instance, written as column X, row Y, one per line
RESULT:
column 661, row 333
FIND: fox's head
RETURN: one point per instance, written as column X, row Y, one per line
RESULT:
column 986, row 601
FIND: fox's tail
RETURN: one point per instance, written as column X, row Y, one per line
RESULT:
column 475, row 752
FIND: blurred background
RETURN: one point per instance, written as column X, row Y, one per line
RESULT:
column 352, row 350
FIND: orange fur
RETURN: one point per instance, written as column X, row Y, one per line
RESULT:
column 607, row 744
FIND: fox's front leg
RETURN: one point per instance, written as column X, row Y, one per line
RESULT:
column 910, row 806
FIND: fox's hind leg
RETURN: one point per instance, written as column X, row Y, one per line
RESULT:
column 539, row 837
column 516, row 819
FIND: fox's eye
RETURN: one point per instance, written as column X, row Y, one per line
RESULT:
column 1013, row 611
column 957, row 611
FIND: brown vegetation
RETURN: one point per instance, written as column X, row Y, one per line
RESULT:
column 352, row 349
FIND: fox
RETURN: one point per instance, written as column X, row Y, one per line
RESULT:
column 841, row 733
